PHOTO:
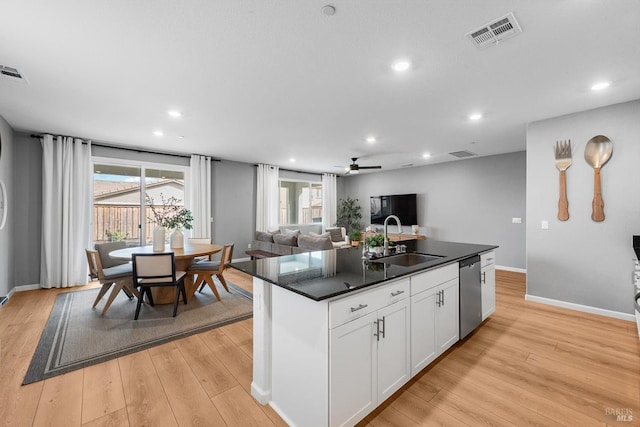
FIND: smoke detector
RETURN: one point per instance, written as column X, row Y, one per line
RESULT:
column 495, row 31
column 12, row 74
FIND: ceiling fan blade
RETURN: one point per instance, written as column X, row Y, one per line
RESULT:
column 370, row 167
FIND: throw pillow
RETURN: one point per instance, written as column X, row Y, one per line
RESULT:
column 289, row 232
column 261, row 236
column 336, row 234
column 314, row 243
column 327, row 234
column 283, row 239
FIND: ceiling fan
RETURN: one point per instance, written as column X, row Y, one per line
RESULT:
column 354, row 168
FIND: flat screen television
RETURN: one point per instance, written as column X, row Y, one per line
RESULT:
column 401, row 205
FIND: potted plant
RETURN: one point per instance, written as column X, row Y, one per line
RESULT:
column 349, row 214
column 170, row 216
column 375, row 242
column 355, row 236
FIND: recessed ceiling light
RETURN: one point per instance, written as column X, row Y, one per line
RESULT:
column 426, row 155
column 371, row 139
column 292, row 160
column 174, row 113
column 181, row 137
column 401, row 66
column 475, row 116
column 329, row 10
column 600, row 86
column 158, row 133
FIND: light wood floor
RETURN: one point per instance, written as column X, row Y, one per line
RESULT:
column 529, row 364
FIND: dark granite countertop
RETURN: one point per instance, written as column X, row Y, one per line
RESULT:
column 326, row 274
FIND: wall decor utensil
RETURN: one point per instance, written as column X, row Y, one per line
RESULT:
column 563, row 161
column 597, row 152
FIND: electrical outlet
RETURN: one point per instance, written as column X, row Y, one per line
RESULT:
column 544, row 225
column 516, row 220
column 249, row 245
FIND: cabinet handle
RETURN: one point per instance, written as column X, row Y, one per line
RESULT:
column 359, row 307
column 489, row 259
column 442, row 296
column 377, row 332
column 395, row 294
column 383, row 325
column 438, row 299
column 484, row 277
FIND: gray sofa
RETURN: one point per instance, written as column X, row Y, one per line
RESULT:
column 295, row 239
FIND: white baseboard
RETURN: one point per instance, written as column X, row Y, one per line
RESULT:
column 241, row 259
column 580, row 307
column 27, row 287
column 514, row 269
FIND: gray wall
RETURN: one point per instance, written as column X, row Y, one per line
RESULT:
column 234, row 201
column 28, row 201
column 7, row 233
column 470, row 200
column 581, row 261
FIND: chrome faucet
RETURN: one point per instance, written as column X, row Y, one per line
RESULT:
column 386, row 238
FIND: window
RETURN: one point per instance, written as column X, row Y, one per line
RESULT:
column 122, row 195
column 300, row 202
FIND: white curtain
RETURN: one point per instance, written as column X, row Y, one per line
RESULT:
column 200, row 196
column 66, row 211
column 268, row 198
column 329, row 200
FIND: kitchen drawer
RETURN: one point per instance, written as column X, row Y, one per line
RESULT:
column 429, row 279
column 355, row 306
column 487, row 259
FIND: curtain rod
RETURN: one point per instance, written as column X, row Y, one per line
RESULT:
column 295, row 171
column 138, row 150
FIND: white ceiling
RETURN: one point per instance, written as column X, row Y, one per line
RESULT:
column 263, row 81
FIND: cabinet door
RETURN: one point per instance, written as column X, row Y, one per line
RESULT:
column 352, row 371
column 447, row 316
column 488, row 292
column 393, row 348
column 423, row 332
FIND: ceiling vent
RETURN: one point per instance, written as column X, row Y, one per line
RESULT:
column 462, row 154
column 13, row 74
column 495, row 31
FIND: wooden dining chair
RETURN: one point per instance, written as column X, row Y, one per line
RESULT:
column 200, row 241
column 120, row 277
column 206, row 270
column 157, row 270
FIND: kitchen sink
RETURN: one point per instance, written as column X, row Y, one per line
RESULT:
column 408, row 259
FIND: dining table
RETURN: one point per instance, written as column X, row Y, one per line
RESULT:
column 183, row 258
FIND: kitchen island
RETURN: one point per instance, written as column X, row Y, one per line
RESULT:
column 335, row 334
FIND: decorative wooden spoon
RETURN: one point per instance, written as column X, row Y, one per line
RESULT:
column 597, row 153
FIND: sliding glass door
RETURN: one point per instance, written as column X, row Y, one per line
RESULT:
column 123, row 195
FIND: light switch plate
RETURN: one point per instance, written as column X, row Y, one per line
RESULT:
column 544, row 225
column 516, row 220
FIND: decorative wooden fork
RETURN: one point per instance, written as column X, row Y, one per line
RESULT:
column 563, row 161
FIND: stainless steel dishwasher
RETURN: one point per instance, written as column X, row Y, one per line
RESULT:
column 470, row 295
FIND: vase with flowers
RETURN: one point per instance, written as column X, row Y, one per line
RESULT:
column 170, row 215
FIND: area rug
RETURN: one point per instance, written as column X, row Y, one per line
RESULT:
column 77, row 335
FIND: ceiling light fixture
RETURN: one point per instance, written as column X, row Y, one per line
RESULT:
column 401, row 66
column 329, row 10
column 426, row 155
column 292, row 160
column 600, row 86
column 371, row 139
column 174, row 113
column 158, row 133
column 475, row 116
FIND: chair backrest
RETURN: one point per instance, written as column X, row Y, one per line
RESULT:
column 154, row 268
column 199, row 240
column 95, row 265
column 227, row 254
column 104, row 249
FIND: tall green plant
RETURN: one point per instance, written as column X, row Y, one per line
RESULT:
column 349, row 214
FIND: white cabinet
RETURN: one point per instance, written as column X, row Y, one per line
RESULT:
column 369, row 356
column 488, row 283
column 434, row 315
